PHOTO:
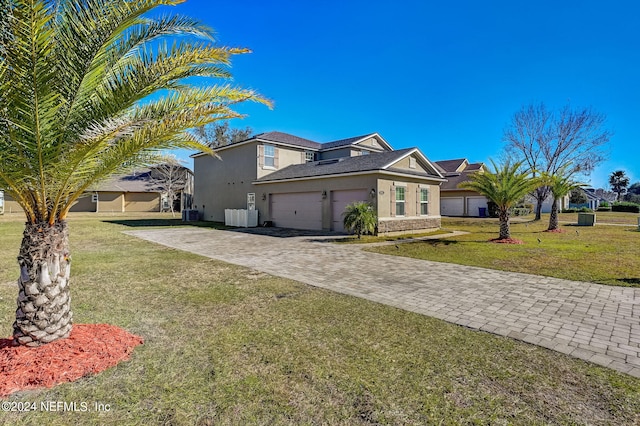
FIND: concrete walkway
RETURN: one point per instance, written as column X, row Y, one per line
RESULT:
column 592, row 322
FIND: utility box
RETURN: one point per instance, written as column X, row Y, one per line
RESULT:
column 586, row 219
column 241, row 218
column 190, row 215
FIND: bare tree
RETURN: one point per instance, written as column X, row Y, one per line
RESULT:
column 571, row 139
column 220, row 134
column 171, row 178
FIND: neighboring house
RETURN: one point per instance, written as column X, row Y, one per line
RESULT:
column 455, row 201
column 133, row 192
column 301, row 184
column 595, row 197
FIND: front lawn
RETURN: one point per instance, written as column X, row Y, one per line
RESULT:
column 606, row 254
column 227, row 345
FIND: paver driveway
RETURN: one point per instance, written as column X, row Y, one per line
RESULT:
column 593, row 322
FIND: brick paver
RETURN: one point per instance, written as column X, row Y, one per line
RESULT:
column 593, row 322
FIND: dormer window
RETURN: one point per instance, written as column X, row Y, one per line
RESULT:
column 365, row 152
column 309, row 156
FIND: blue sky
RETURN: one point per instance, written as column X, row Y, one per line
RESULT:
column 444, row 76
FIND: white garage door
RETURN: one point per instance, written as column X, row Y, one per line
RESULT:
column 299, row 210
column 339, row 201
column 474, row 204
column 452, row 206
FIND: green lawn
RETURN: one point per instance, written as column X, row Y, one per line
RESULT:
column 227, row 345
column 606, row 254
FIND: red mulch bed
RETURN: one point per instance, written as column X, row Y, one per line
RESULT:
column 90, row 349
column 506, row 241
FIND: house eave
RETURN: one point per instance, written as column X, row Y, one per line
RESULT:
column 365, row 172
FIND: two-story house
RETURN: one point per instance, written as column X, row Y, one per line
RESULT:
column 302, row 184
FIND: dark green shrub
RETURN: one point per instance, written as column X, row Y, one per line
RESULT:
column 570, row 210
column 625, row 207
column 604, row 209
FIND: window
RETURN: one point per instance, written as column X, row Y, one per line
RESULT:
column 269, row 156
column 308, row 156
column 365, row 152
column 424, row 201
column 400, row 199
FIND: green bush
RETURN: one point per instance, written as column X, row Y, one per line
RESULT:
column 604, row 209
column 570, row 210
column 605, row 204
column 625, row 206
column 585, row 210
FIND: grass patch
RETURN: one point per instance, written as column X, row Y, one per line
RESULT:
column 228, row 345
column 366, row 239
column 600, row 254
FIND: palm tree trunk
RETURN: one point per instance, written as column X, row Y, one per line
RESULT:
column 505, row 230
column 44, row 304
column 553, row 218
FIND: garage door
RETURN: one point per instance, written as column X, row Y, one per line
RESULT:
column 452, row 206
column 474, row 204
column 299, row 210
column 340, row 200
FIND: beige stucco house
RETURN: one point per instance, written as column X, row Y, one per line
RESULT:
column 131, row 192
column 301, row 184
column 456, row 201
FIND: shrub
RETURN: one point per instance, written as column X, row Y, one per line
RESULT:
column 570, row 210
column 604, row 209
column 585, row 210
column 605, row 204
column 624, row 206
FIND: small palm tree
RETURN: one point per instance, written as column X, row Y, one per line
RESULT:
column 88, row 88
column 560, row 185
column 505, row 187
column 360, row 218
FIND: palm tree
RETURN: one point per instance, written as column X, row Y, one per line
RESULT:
column 560, row 185
column 619, row 182
column 87, row 89
column 505, row 187
column 360, row 218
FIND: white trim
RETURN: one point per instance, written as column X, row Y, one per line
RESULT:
column 422, row 158
column 368, row 172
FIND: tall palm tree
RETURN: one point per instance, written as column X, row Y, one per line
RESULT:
column 560, row 185
column 360, row 217
column 619, row 182
column 88, row 88
column 505, row 186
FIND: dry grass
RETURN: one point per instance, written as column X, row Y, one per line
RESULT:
column 227, row 345
column 606, row 254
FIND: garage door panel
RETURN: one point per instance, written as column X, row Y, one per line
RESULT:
column 452, row 206
column 300, row 210
column 474, row 204
column 340, row 200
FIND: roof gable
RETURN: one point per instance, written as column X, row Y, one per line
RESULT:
column 376, row 161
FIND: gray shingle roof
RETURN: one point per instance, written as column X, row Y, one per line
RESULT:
column 288, row 139
column 450, row 165
column 344, row 142
column 362, row 163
